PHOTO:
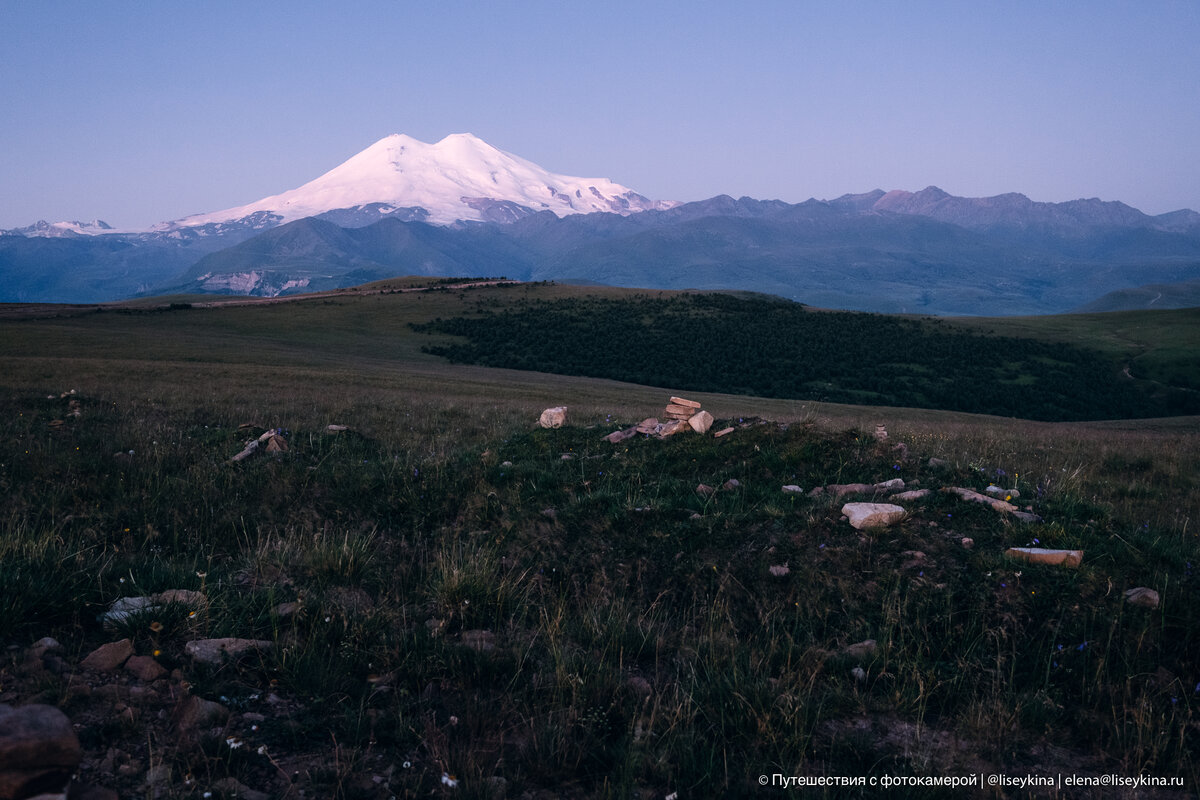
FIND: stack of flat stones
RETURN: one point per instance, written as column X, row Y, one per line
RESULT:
column 680, row 415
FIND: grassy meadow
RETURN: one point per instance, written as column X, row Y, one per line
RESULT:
column 485, row 608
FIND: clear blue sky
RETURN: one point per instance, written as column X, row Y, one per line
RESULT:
column 141, row 112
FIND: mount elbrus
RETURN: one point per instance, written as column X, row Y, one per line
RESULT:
column 463, row 207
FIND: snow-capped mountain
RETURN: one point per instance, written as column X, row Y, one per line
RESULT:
column 461, row 177
column 57, row 229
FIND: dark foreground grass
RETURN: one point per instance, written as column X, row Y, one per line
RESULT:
column 574, row 617
column 480, row 599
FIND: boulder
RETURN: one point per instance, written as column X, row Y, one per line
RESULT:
column 1142, row 596
column 1038, row 555
column 216, row 651
column 701, row 422
column 39, row 751
column 553, row 417
column 873, row 515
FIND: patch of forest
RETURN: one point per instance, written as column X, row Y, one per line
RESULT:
column 764, row 347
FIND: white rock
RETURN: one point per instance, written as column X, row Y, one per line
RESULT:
column 553, row 417
column 873, row 515
column 701, row 422
column 792, row 488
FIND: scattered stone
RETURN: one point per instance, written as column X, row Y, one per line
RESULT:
column 889, row 486
column 250, row 449
column 723, row 432
column 792, row 488
column 108, row 657
column 39, row 751
column 705, row 489
column 616, row 437
column 779, row 570
column 553, row 417
column 1037, row 555
column 732, row 483
column 914, row 494
column 216, row 651
column 873, row 515
column 976, row 497
column 881, row 433
column 967, row 542
column 124, row 608
column 679, row 401
column 1025, row 516
column 45, row 645
column 901, row 451
column 1142, row 596
column 145, row 668
column 701, row 422
column 567, row 457
column 936, row 463
column 840, row 490
column 860, row 651
column 1008, row 494
column 671, row 428
column 196, row 712
column 647, row 426
column 859, row 674
column 276, row 444
column 336, row 428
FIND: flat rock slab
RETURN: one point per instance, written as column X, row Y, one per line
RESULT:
column 108, row 657
column 976, row 497
column 913, row 494
column 616, row 437
column 1037, row 555
column 216, row 651
column 873, row 515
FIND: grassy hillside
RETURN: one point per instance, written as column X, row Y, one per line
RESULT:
column 525, row 610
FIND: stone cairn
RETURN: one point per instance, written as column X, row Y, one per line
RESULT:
column 680, row 415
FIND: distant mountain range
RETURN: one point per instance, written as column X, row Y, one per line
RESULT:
column 462, row 207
